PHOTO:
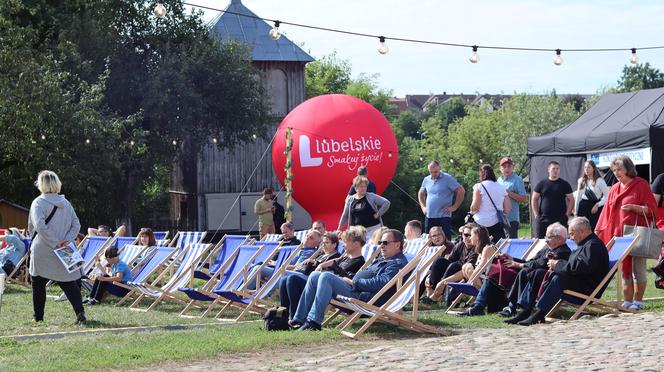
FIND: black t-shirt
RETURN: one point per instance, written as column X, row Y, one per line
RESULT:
column 371, row 187
column 658, row 188
column 307, row 269
column 361, row 213
column 346, row 267
column 553, row 200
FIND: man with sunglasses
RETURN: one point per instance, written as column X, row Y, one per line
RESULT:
column 321, row 289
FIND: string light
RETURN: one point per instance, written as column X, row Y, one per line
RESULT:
column 382, row 48
column 214, row 140
column 160, row 10
column 275, row 34
column 87, row 141
column 558, row 60
column 634, row 59
column 474, row 58
column 253, row 136
column 43, row 137
column 174, row 143
column 132, row 143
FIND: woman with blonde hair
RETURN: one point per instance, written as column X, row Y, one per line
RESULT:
column 52, row 223
column 363, row 208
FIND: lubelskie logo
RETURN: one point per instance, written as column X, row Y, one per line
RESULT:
column 351, row 152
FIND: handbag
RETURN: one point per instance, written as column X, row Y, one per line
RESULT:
column 502, row 218
column 590, row 195
column 500, row 274
column 276, row 319
column 649, row 244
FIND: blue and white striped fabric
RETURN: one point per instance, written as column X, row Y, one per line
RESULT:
column 300, row 235
column 130, row 253
column 413, row 246
column 162, row 242
column 160, row 235
column 121, row 241
column 368, row 251
column 185, row 238
column 271, row 237
column 159, row 257
column 183, row 274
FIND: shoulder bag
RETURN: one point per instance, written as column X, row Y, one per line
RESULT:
column 649, row 244
column 32, row 240
column 502, row 218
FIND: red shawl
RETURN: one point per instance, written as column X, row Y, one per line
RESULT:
column 613, row 218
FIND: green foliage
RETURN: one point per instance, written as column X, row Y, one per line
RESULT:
column 365, row 87
column 407, row 124
column 327, row 75
column 640, row 76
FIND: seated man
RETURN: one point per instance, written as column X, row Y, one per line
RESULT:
column 103, row 230
column 324, row 286
column 311, row 243
column 413, row 230
column 583, row 272
column 531, row 271
column 13, row 253
column 288, row 234
column 319, row 226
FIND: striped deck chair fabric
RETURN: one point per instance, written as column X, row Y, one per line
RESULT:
column 226, row 247
column 182, row 277
column 300, row 235
column 150, row 266
column 271, row 237
column 121, row 241
column 184, row 238
column 19, row 275
column 413, row 246
column 390, row 311
column 131, row 253
column 92, row 247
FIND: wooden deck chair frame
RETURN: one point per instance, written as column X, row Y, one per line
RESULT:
column 165, row 289
column 381, row 313
column 91, row 264
column 481, row 271
column 159, row 268
column 134, row 264
column 207, row 288
column 592, row 299
column 257, row 303
column 242, row 274
column 206, row 263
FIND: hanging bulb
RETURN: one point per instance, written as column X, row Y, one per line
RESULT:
column 132, row 143
column 634, row 59
column 389, row 155
column 174, row 143
column 558, row 60
column 275, row 34
column 214, row 140
column 474, row 58
column 87, row 141
column 43, row 137
column 382, row 48
column 253, row 136
column 160, row 10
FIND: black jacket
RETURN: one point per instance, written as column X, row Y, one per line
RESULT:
column 586, row 266
column 541, row 260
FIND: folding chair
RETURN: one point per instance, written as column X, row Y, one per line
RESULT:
column 184, row 238
column 157, row 262
column 518, row 248
column 253, row 300
column 300, row 235
column 227, row 277
column 413, row 246
column 271, row 237
column 121, row 241
column 619, row 248
column 131, row 254
column 182, row 276
column 20, row 273
column 213, row 262
column 407, row 290
column 92, row 247
column 160, row 235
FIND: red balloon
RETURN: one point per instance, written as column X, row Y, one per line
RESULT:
column 333, row 135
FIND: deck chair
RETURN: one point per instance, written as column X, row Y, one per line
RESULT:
column 619, row 248
column 163, row 242
column 92, row 247
column 213, row 262
column 300, row 235
column 156, row 262
column 121, row 241
column 407, row 290
column 271, row 237
column 20, row 273
column 254, row 300
column 414, row 246
column 183, row 276
column 132, row 255
column 184, row 238
column 160, row 235
column 537, row 246
column 227, row 277
column 518, row 248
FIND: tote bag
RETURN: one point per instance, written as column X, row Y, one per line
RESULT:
column 649, row 244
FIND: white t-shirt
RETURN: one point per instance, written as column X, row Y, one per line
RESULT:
column 486, row 216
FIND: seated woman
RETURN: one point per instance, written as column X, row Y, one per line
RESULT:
column 146, row 237
column 479, row 239
column 292, row 285
column 11, row 255
column 119, row 272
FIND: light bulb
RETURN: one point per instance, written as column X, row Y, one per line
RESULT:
column 87, row 141
column 254, row 136
column 634, row 59
column 474, row 58
column 275, row 34
column 132, row 143
column 160, row 10
column 389, row 155
column 421, row 158
column 43, row 137
column 382, row 48
column 174, row 143
column 558, row 60
column 214, row 140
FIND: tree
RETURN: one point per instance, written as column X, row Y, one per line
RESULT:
column 327, row 75
column 640, row 76
column 366, row 88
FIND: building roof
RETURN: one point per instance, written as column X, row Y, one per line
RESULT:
column 254, row 32
column 3, row 201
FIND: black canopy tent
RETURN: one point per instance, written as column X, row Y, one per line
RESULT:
column 630, row 123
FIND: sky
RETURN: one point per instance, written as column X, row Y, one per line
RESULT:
column 423, row 69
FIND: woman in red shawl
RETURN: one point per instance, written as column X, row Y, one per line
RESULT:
column 629, row 199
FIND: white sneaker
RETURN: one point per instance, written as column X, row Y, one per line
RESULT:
column 626, row 304
column 636, row 306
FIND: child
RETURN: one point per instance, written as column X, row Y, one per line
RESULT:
column 120, row 273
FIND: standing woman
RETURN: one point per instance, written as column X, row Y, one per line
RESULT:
column 364, row 208
column 490, row 198
column 591, row 194
column 629, row 199
column 62, row 228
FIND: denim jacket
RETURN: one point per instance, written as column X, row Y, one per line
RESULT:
column 372, row 279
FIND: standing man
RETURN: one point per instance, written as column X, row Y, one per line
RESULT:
column 363, row 171
column 515, row 191
column 439, row 196
column 552, row 201
column 264, row 208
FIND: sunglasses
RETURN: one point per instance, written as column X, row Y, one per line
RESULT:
column 384, row 242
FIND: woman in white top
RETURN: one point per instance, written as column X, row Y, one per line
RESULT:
column 489, row 197
column 591, row 194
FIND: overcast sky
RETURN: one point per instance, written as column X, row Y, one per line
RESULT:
column 422, row 69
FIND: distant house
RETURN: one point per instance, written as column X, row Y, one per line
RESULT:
column 13, row 215
column 218, row 191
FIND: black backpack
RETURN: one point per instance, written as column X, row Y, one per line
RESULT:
column 276, row 319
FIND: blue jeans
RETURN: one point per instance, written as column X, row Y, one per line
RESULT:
column 290, row 290
column 552, row 293
column 481, row 299
column 444, row 222
column 321, row 288
column 527, row 297
column 265, row 272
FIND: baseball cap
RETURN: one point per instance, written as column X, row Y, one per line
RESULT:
column 506, row 160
